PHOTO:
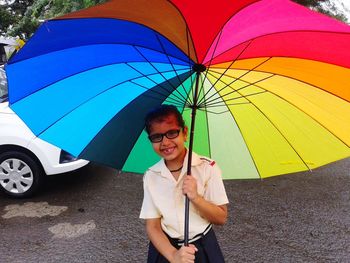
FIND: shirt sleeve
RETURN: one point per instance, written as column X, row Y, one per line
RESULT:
column 215, row 191
column 148, row 209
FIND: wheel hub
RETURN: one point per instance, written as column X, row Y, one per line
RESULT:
column 15, row 176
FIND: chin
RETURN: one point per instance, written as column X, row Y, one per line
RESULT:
column 169, row 158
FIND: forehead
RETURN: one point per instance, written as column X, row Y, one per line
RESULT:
column 165, row 122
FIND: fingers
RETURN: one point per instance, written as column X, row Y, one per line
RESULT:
column 186, row 254
column 189, row 183
column 189, row 187
column 193, row 247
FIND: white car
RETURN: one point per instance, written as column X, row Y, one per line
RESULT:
column 24, row 158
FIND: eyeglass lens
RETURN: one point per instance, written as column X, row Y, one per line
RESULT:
column 158, row 137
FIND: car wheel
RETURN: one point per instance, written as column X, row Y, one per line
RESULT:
column 20, row 174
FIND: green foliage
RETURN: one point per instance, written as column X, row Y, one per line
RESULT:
column 6, row 18
column 311, row 3
column 22, row 17
column 326, row 7
column 46, row 9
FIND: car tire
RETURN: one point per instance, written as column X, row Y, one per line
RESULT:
column 20, row 174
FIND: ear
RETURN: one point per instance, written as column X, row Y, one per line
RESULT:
column 185, row 131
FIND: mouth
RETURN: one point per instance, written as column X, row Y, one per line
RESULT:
column 168, row 150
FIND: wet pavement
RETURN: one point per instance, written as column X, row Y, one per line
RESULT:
column 91, row 215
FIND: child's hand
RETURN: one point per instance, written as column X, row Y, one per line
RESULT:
column 185, row 254
column 189, row 187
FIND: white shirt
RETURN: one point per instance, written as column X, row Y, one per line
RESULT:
column 163, row 196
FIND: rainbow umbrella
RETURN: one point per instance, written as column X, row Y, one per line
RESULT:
column 268, row 82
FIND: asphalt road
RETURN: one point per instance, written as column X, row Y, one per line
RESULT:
column 91, row 215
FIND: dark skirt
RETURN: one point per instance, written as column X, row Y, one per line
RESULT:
column 208, row 250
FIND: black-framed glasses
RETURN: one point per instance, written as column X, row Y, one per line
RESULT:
column 158, row 137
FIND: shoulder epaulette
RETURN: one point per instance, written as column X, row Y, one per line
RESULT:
column 211, row 162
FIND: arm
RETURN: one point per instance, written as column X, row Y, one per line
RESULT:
column 163, row 245
column 216, row 214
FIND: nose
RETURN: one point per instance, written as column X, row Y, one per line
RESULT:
column 165, row 140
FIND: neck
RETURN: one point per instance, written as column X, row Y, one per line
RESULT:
column 176, row 164
column 176, row 170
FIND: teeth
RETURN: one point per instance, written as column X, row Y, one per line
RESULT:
column 168, row 150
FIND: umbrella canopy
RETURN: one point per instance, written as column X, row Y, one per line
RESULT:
column 272, row 79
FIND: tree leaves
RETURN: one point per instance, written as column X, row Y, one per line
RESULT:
column 22, row 17
column 326, row 7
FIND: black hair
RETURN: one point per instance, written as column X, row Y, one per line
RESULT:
column 160, row 113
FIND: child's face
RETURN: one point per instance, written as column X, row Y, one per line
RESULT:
column 172, row 150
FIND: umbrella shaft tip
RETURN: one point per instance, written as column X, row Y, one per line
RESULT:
column 199, row 68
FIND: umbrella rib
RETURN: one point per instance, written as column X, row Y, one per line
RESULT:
column 77, row 73
column 189, row 61
column 282, row 32
column 163, row 96
column 171, row 85
column 213, row 112
column 239, row 78
column 233, row 90
column 278, row 130
column 150, row 89
column 172, row 65
column 86, row 101
column 207, row 123
column 97, row 44
column 147, row 76
column 207, row 69
column 228, row 19
column 286, row 76
column 226, row 69
column 208, row 102
column 225, row 105
column 218, row 103
column 234, row 119
column 250, row 102
column 250, row 70
column 296, row 105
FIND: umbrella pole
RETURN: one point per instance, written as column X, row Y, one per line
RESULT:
column 198, row 68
